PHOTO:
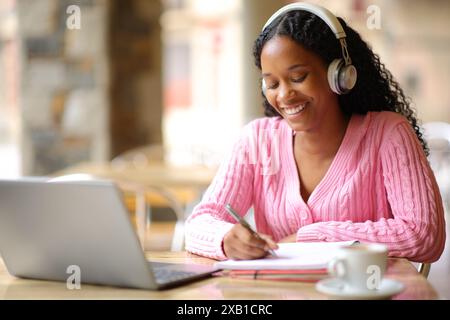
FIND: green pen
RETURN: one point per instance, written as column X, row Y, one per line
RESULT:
column 245, row 224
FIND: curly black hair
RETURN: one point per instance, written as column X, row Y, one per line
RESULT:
column 376, row 88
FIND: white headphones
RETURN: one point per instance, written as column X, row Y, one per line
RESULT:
column 342, row 74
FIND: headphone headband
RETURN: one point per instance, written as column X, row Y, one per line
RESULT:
column 323, row 13
column 342, row 75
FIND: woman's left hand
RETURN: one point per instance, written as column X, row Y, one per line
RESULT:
column 291, row 238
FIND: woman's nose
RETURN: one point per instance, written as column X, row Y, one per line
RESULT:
column 285, row 92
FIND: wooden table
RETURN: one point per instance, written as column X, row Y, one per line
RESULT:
column 215, row 288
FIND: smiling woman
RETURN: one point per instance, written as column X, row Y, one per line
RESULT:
column 350, row 157
column 298, row 90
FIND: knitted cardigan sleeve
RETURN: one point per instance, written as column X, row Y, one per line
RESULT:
column 417, row 229
column 233, row 183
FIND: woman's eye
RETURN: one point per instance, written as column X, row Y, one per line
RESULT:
column 300, row 79
column 272, row 85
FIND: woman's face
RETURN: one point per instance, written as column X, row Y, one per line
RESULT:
column 297, row 85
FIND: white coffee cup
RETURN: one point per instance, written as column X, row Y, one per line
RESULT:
column 361, row 267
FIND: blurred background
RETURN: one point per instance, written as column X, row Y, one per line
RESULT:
column 177, row 73
column 105, row 86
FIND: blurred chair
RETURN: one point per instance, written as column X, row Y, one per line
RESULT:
column 424, row 269
column 141, row 200
column 146, row 197
column 141, row 156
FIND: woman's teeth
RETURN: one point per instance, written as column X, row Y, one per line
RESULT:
column 291, row 111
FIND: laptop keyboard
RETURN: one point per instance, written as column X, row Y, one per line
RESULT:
column 163, row 274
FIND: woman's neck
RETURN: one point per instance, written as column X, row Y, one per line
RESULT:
column 324, row 141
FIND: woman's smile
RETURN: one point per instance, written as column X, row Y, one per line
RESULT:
column 293, row 111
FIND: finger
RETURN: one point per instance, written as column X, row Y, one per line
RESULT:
column 249, row 255
column 255, row 242
column 243, row 233
column 235, row 248
column 248, row 252
column 270, row 244
column 236, row 254
column 251, row 239
column 255, row 252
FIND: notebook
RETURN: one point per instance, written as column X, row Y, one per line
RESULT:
column 291, row 256
column 312, row 275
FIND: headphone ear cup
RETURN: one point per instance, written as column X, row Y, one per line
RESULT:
column 263, row 87
column 347, row 78
column 333, row 75
column 341, row 78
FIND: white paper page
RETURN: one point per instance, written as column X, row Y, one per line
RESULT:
column 299, row 255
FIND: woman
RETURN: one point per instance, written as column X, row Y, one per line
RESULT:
column 327, row 163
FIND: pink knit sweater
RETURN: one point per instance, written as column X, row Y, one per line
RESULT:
column 379, row 188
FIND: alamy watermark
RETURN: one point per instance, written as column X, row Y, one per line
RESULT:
column 374, row 19
column 373, row 281
column 261, row 149
column 73, row 282
column 73, row 21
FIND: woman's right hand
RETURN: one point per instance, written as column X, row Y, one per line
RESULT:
column 240, row 244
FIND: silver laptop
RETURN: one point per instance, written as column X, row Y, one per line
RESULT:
column 49, row 229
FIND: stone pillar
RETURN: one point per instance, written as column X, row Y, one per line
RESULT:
column 135, row 60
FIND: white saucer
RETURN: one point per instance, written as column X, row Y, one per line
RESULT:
column 336, row 287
